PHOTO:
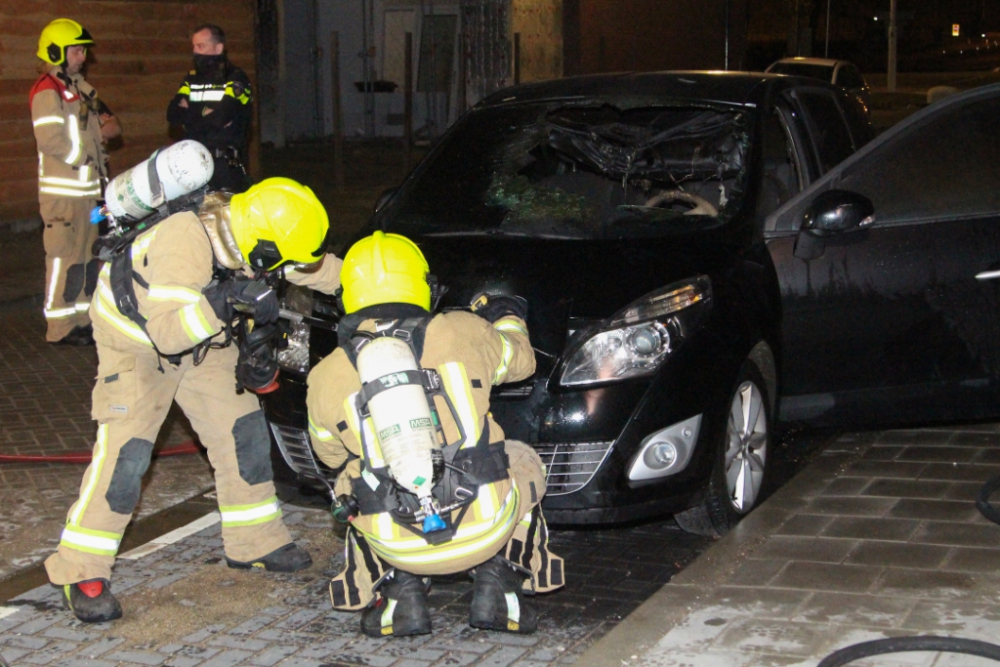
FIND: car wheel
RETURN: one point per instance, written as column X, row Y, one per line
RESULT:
column 740, row 466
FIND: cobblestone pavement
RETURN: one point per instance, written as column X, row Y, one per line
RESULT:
column 185, row 608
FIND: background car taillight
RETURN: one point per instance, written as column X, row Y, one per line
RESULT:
column 295, row 357
column 636, row 340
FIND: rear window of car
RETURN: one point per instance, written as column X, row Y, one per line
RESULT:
column 821, row 72
column 581, row 170
column 849, row 77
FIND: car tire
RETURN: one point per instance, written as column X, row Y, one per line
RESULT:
column 740, row 469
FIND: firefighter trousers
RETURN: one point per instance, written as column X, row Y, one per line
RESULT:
column 528, row 546
column 130, row 402
column 70, row 268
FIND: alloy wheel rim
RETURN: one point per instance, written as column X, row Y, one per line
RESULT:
column 746, row 447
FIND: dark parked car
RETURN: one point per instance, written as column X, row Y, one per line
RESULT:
column 630, row 211
column 838, row 72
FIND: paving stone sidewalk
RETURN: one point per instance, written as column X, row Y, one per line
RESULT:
column 185, row 608
column 878, row 537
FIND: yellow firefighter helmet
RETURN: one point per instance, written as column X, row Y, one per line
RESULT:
column 384, row 268
column 59, row 34
column 278, row 220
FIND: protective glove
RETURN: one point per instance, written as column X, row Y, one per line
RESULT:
column 257, row 365
column 248, row 296
column 493, row 307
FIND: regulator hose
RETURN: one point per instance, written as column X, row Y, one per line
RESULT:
column 983, row 500
column 84, row 457
column 849, row 654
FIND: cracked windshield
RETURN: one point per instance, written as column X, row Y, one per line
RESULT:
column 578, row 171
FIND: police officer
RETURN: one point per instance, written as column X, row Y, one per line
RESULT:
column 70, row 124
column 213, row 107
column 169, row 348
column 489, row 489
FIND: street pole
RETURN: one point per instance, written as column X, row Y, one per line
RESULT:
column 891, row 74
column 826, row 45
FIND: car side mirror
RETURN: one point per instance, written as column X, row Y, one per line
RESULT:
column 838, row 211
column 384, row 197
column 832, row 212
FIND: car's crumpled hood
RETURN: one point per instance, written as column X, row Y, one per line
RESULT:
column 562, row 278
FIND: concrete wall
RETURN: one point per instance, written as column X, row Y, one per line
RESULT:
column 143, row 52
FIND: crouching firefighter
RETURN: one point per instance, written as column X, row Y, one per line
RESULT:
column 430, row 486
column 161, row 315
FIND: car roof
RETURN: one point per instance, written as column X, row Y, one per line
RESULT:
column 800, row 60
column 738, row 88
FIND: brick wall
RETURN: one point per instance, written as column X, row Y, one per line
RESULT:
column 143, row 51
column 539, row 22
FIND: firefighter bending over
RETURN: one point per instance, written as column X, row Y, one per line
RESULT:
column 430, row 486
column 161, row 313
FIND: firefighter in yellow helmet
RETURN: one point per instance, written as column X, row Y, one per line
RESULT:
column 71, row 124
column 427, row 490
column 161, row 312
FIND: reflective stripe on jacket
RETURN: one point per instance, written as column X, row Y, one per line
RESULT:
column 68, row 134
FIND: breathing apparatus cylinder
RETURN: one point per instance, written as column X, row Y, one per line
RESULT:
column 169, row 173
column 401, row 417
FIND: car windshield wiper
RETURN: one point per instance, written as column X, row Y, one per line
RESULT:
column 477, row 232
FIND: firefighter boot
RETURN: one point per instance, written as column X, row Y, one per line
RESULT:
column 400, row 610
column 289, row 558
column 497, row 599
column 91, row 601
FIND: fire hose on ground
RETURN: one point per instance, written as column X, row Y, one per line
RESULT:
column 188, row 447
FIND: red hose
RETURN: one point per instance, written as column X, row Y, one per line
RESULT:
column 84, row 457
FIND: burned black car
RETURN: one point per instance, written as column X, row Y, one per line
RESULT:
column 629, row 211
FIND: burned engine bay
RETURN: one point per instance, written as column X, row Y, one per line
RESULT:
column 581, row 170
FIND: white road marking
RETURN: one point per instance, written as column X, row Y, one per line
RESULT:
column 172, row 537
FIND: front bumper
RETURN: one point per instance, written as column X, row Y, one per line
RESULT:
column 586, row 439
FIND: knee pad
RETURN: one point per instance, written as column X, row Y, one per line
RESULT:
column 253, row 448
column 74, row 283
column 126, row 481
column 93, row 269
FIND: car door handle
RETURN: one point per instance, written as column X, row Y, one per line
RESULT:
column 988, row 275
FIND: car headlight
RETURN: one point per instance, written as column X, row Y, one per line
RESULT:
column 295, row 357
column 636, row 340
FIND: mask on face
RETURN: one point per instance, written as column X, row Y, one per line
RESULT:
column 207, row 65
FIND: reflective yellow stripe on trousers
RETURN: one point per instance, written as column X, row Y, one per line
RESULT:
column 75, row 536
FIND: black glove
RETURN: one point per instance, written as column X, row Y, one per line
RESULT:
column 257, row 365
column 493, row 307
column 248, row 296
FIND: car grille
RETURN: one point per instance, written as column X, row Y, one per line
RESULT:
column 295, row 448
column 569, row 467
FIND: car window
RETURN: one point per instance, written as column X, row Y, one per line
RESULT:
column 858, row 120
column 780, row 175
column 579, row 170
column 949, row 167
column 830, row 137
column 849, row 77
